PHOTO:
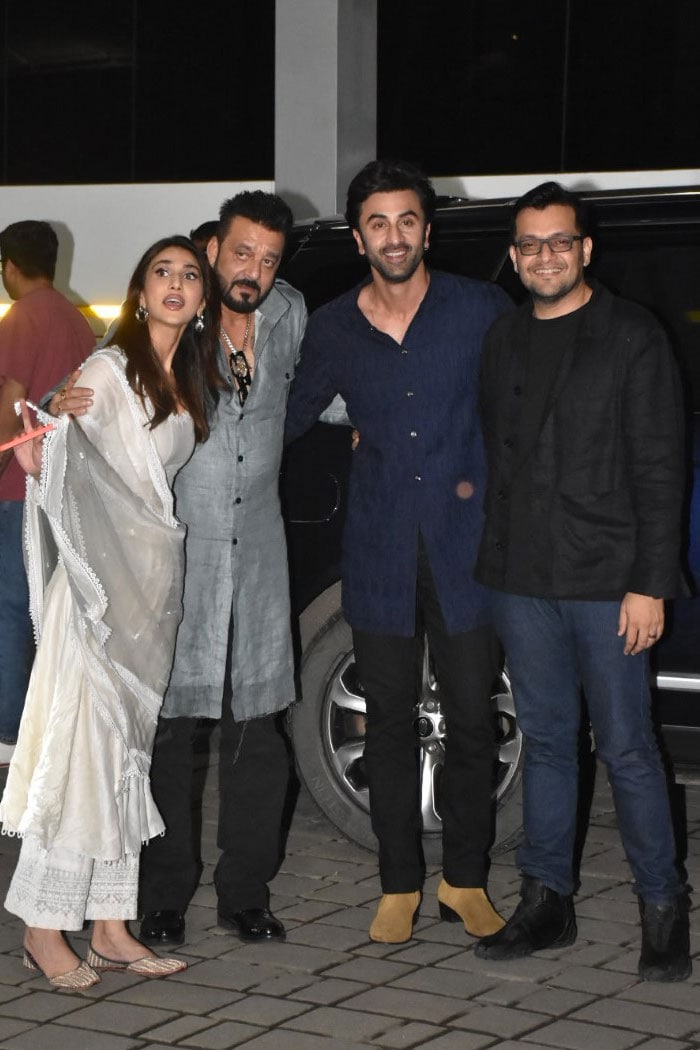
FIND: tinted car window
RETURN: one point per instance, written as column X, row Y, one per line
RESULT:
column 659, row 268
column 323, row 264
column 475, row 254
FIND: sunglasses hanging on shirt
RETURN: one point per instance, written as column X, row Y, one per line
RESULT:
column 238, row 363
column 240, row 370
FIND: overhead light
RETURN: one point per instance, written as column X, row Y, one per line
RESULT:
column 105, row 311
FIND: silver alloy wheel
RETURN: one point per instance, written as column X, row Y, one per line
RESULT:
column 342, row 728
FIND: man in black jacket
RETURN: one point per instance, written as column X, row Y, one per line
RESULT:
column 583, row 426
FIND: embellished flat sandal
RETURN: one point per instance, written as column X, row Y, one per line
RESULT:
column 146, row 966
column 77, row 980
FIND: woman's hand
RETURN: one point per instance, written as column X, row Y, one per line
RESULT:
column 71, row 400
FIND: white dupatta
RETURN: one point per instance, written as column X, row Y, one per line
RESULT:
column 105, row 566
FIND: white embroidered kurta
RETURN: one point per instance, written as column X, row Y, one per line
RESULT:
column 105, row 620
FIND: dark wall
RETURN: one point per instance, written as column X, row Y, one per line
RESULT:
column 497, row 86
column 137, row 91
column 184, row 91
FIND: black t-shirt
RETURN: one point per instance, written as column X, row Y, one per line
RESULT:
column 547, row 340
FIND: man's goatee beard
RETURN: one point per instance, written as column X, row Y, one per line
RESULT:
column 241, row 306
column 244, row 306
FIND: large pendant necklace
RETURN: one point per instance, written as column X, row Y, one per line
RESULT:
column 238, row 362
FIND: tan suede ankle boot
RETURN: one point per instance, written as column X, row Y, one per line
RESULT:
column 393, row 923
column 472, row 906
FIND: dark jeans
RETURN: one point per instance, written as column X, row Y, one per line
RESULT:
column 465, row 665
column 254, row 768
column 554, row 649
column 16, row 635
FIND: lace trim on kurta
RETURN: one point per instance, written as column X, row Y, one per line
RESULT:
column 89, row 535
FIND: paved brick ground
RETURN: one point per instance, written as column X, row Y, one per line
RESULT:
column 328, row 988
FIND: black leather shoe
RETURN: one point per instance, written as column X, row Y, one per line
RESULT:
column 252, row 924
column 162, row 927
column 665, row 952
column 543, row 919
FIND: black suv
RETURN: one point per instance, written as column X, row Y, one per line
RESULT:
column 647, row 248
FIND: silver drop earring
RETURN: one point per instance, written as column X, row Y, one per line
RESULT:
column 199, row 323
column 141, row 314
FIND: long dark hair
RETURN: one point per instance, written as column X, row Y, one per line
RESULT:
column 195, row 365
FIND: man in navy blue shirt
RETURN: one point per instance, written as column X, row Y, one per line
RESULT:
column 403, row 351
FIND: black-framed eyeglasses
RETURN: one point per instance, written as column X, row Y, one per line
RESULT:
column 560, row 242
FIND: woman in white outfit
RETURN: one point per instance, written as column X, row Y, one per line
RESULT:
column 105, row 562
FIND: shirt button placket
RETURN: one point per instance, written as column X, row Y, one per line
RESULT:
column 412, row 433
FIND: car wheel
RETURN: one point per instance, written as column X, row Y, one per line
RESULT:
column 328, row 725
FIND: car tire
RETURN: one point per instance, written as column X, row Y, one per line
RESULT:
column 327, row 727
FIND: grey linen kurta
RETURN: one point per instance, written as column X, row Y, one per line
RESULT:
column 236, row 553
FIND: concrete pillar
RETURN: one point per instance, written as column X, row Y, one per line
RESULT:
column 325, row 100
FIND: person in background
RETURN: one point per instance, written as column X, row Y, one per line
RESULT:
column 42, row 338
column 203, row 233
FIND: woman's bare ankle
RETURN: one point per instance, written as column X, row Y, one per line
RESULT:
column 50, row 950
column 113, row 939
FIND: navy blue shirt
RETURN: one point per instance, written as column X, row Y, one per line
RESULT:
column 420, row 464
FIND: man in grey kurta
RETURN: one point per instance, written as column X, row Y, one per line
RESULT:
column 233, row 657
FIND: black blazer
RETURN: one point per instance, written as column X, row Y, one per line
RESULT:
column 598, row 509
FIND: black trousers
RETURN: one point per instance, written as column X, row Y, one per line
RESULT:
column 465, row 665
column 254, row 768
